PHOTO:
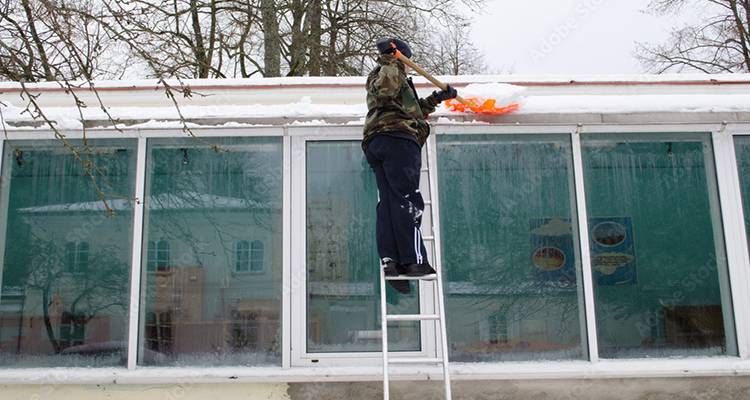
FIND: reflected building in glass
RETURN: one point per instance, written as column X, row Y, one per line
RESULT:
column 65, row 269
column 211, row 276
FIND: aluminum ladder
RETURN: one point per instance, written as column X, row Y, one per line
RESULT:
column 437, row 286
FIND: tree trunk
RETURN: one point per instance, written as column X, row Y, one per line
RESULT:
column 199, row 50
column 271, row 42
column 331, row 67
column 315, row 36
column 298, row 46
column 47, row 322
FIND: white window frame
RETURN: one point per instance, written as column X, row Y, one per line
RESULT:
column 351, row 368
column 586, row 296
column 735, row 232
column 300, row 356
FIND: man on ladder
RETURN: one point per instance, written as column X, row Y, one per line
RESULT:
column 395, row 132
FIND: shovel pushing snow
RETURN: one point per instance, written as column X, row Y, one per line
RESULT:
column 476, row 105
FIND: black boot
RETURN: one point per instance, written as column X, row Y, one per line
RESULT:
column 391, row 268
column 417, row 269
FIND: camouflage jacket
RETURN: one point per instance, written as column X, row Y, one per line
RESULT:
column 393, row 104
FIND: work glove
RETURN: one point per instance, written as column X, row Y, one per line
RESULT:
column 447, row 94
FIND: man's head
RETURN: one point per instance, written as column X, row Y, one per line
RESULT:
column 386, row 46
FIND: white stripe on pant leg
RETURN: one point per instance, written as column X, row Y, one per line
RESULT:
column 417, row 250
column 419, row 245
column 416, row 244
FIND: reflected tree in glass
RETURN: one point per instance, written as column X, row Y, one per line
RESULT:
column 209, row 296
column 65, row 266
column 660, row 279
column 343, row 292
column 510, row 248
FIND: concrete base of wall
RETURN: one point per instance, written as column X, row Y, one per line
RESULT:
column 725, row 388
column 275, row 391
column 730, row 388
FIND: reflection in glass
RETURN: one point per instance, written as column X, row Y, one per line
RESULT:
column 742, row 148
column 657, row 249
column 65, row 262
column 204, row 209
column 343, row 292
column 510, row 254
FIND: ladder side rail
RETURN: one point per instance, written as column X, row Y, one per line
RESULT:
column 384, row 333
column 437, row 257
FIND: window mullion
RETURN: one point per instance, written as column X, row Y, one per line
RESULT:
column 730, row 199
column 135, row 273
column 286, row 272
column 4, row 191
column 583, row 235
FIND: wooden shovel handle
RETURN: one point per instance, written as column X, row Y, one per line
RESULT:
column 426, row 74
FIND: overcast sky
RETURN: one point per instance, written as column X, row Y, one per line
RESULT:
column 567, row 36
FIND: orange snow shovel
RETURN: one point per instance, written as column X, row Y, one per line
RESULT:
column 460, row 104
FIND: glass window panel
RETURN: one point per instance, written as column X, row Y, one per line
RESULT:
column 243, row 256
column 82, row 257
column 343, row 287
column 256, row 256
column 162, row 255
column 658, row 257
column 197, row 310
column 742, row 148
column 510, row 255
column 151, row 263
column 64, row 262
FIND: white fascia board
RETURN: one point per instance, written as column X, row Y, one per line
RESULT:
column 307, row 97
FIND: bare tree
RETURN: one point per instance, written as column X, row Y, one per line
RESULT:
column 42, row 40
column 453, row 53
column 74, row 42
column 718, row 43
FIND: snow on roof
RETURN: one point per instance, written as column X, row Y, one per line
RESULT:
column 341, row 100
column 523, row 80
column 186, row 200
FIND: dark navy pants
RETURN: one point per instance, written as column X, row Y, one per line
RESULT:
column 397, row 163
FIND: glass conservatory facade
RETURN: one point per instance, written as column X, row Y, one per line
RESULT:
column 254, row 248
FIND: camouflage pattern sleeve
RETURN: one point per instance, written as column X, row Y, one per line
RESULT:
column 387, row 85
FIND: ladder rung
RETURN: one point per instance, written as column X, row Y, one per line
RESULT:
column 428, row 202
column 430, row 238
column 403, row 360
column 425, row 169
column 430, row 277
column 412, row 317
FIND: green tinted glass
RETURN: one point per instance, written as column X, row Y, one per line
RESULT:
column 212, row 250
column 510, row 248
column 657, row 250
column 66, row 252
column 343, row 292
column 742, row 147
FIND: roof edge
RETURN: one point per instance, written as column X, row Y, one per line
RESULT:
column 359, row 81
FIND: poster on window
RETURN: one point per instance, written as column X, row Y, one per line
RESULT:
column 552, row 251
column 612, row 251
